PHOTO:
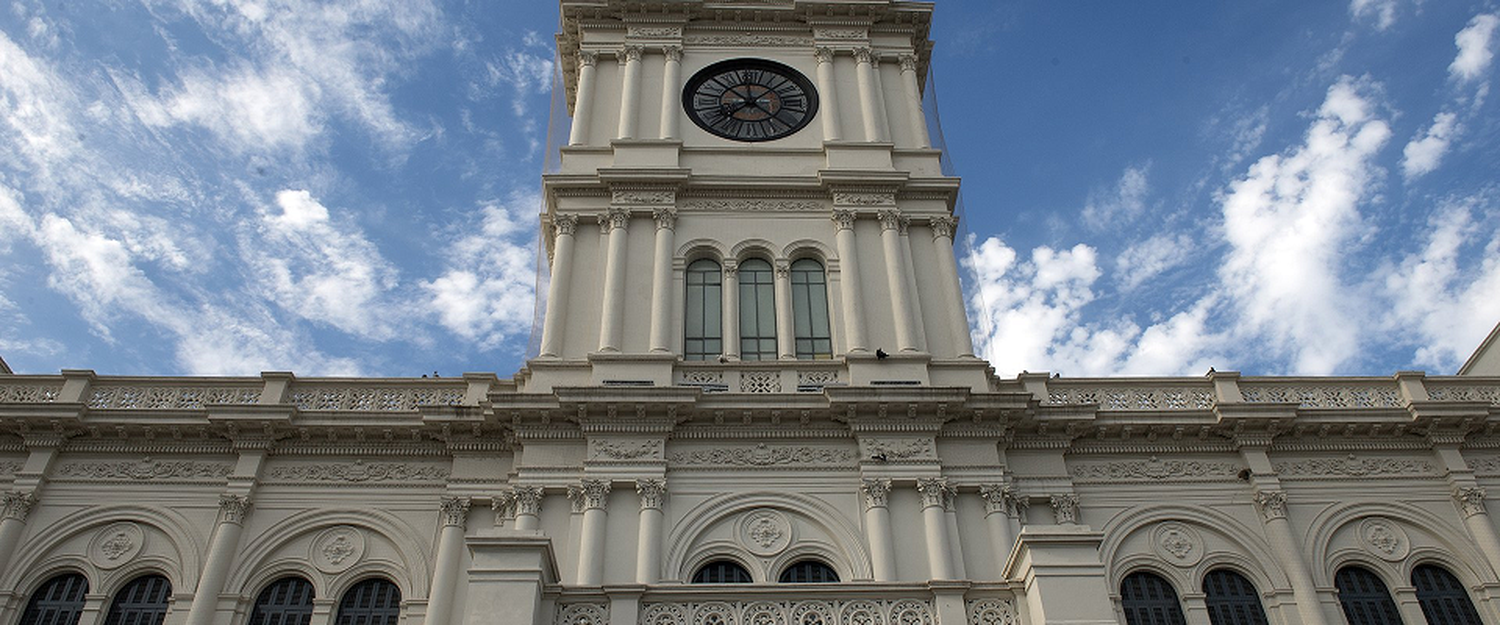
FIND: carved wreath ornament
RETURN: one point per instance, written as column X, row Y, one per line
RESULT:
column 1177, row 543
column 765, row 532
column 336, row 549
column 1384, row 538
column 117, row 544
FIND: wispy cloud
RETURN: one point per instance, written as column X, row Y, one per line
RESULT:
column 1126, row 201
column 1381, row 12
column 1425, row 151
column 1475, row 43
column 486, row 292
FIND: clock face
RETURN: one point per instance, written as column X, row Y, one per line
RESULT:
column 750, row 100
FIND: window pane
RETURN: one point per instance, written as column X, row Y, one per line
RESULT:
column 59, row 601
column 1364, row 597
column 287, row 601
column 702, row 321
column 1232, row 599
column 810, row 310
column 757, row 311
column 1147, row 599
column 1443, row 598
column 143, row 601
column 370, row 602
column 722, row 572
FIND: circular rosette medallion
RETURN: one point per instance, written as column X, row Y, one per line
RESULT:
column 765, row 532
column 117, row 544
column 1177, row 543
column 336, row 549
column 1384, row 538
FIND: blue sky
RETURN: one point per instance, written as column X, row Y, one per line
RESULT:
column 350, row 187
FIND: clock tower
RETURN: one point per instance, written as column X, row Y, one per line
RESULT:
column 749, row 199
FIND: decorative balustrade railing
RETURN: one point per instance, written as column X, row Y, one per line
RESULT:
column 1145, row 395
column 30, row 393
column 834, row 606
column 1452, row 389
column 380, row 397
column 168, row 394
column 197, row 393
column 1327, row 393
column 767, row 377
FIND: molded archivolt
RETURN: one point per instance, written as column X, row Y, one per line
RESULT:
column 169, row 548
column 826, row 536
column 808, row 248
column 1227, row 543
column 1333, row 541
column 703, row 248
column 393, row 550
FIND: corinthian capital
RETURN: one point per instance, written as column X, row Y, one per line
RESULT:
column 673, row 53
column 565, row 225
column 631, row 53
column 864, row 55
column 666, row 218
column 908, row 62
column 943, row 227
column 1065, row 508
column 587, row 58
column 1271, row 503
column 877, row 491
column 595, row 494
column 889, row 219
column 232, row 508
column 17, row 504
column 842, row 219
column 824, row 54
column 455, row 510
column 652, row 492
column 934, row 491
column 528, row 499
column 1470, row 500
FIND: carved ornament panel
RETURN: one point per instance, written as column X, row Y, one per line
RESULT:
column 337, row 549
column 116, row 545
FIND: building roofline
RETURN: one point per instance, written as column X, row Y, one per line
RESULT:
column 4, row 368
column 1493, row 340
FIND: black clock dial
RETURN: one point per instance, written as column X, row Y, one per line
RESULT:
column 750, row 100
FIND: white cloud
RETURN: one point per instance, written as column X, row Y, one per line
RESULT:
column 1425, row 151
column 1124, row 202
column 250, row 111
column 487, row 291
column 1382, row 11
column 1147, row 259
column 1288, row 222
column 1474, row 43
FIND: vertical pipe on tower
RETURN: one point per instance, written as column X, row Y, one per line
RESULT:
column 583, row 98
column 913, row 90
column 786, row 347
column 865, row 75
column 731, row 310
column 671, row 77
column 563, row 227
column 661, row 280
column 830, row 103
column 849, row 289
column 630, row 90
column 612, row 326
column 958, row 322
column 895, row 271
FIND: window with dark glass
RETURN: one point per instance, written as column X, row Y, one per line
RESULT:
column 1232, row 599
column 1365, row 599
column 1443, row 598
column 808, row 572
column 286, row 601
column 757, row 311
column 704, row 317
column 374, row 601
column 1147, row 599
column 59, row 601
column 722, row 572
column 810, row 310
column 143, row 601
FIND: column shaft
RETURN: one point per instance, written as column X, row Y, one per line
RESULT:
column 630, row 91
column 913, row 90
column 895, row 272
column 849, row 289
column 865, row 75
column 882, row 119
column 583, row 99
column 786, row 346
column 612, row 326
column 958, row 321
column 1000, row 535
column 445, row 572
column 10, row 535
column 1284, row 543
column 1470, row 500
column 828, row 109
column 919, row 326
column 935, row 524
column 661, row 281
column 557, row 291
column 878, row 528
column 731, row 310
column 648, row 539
column 591, row 539
column 670, row 91
column 221, row 550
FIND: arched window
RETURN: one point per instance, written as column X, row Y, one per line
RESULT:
column 143, row 601
column 704, row 315
column 810, row 310
column 1365, row 598
column 59, row 601
column 757, row 311
column 374, row 601
column 722, row 572
column 286, row 601
column 1444, row 600
column 1148, row 599
column 1232, row 599
column 808, row 572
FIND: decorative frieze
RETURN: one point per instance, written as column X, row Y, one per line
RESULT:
column 595, row 494
column 859, row 198
column 763, row 455
column 841, row 34
column 753, row 205
column 652, row 492
column 359, row 471
column 876, row 491
column 747, row 39
column 1470, row 500
column 640, row 197
column 146, row 469
column 454, row 510
column 232, row 508
column 1353, row 466
column 800, row 612
column 1065, row 508
column 1153, row 469
column 16, row 504
column 898, row 449
column 653, row 32
column 1271, row 504
column 626, row 450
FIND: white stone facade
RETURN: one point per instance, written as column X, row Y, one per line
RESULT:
column 595, row 486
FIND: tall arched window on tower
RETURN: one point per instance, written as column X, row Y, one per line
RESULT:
column 1147, row 599
column 1232, row 599
column 1444, row 599
column 375, row 601
column 59, row 601
column 286, row 601
column 757, row 311
column 810, row 310
column 1365, row 599
column 704, row 316
column 143, row 601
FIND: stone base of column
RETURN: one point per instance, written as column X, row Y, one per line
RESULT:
column 1064, row 578
column 506, row 579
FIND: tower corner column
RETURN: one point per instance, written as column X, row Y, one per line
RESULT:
column 563, row 228
column 630, row 90
column 851, row 298
column 583, row 98
column 826, row 90
column 671, row 83
column 895, row 270
column 943, row 229
column 661, row 279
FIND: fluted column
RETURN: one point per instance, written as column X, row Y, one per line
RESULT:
column 612, row 326
column 630, row 90
column 591, row 538
column 850, row 298
column 865, row 76
column 997, row 518
column 528, row 507
column 877, row 492
column 829, row 108
column 671, row 86
column 731, row 312
column 221, row 549
column 786, row 344
column 648, row 542
column 895, row 271
column 919, row 328
column 583, row 98
column 16, row 505
column 1272, row 507
column 661, row 280
column 445, row 574
column 957, row 321
column 935, row 522
column 1470, row 501
column 913, row 92
column 563, row 227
